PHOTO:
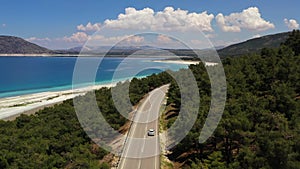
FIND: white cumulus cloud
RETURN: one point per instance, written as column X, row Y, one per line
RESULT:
column 35, row 39
column 249, row 19
column 79, row 37
column 291, row 24
column 169, row 19
column 132, row 19
column 89, row 27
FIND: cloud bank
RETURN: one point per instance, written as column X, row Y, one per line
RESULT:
column 169, row 19
column 249, row 19
column 166, row 20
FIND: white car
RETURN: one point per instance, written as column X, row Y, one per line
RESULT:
column 151, row 132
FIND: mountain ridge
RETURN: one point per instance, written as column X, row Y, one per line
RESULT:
column 254, row 45
column 16, row 45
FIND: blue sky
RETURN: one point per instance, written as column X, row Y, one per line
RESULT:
column 54, row 23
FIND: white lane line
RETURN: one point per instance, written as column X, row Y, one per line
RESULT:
column 131, row 133
column 157, row 139
column 140, row 164
column 156, row 144
column 143, row 146
column 145, row 135
column 146, row 129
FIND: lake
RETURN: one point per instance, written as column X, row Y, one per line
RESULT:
column 26, row 75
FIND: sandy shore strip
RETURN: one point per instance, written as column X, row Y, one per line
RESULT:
column 12, row 107
column 39, row 55
column 186, row 62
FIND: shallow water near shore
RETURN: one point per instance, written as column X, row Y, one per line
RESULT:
column 27, row 75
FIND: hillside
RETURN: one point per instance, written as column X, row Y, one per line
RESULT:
column 15, row 45
column 254, row 45
column 260, row 122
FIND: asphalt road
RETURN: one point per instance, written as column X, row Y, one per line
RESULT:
column 142, row 151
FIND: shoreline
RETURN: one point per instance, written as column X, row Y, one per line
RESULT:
column 38, row 55
column 186, row 62
column 12, row 107
column 183, row 62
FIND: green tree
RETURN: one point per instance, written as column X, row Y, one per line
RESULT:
column 294, row 41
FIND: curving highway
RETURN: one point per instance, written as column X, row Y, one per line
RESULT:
column 140, row 150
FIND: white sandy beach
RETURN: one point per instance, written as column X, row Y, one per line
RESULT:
column 14, row 106
column 11, row 107
column 185, row 62
column 178, row 62
column 39, row 55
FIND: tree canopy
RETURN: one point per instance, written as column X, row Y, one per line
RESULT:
column 260, row 127
column 260, row 124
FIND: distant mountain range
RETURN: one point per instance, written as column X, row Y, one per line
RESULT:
column 16, row 45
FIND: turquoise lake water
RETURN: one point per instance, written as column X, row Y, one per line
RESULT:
column 26, row 75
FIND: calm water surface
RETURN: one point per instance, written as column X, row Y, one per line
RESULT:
column 25, row 75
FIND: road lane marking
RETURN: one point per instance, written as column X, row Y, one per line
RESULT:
column 134, row 126
column 130, row 135
column 143, row 146
column 131, row 132
column 155, row 161
column 140, row 164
